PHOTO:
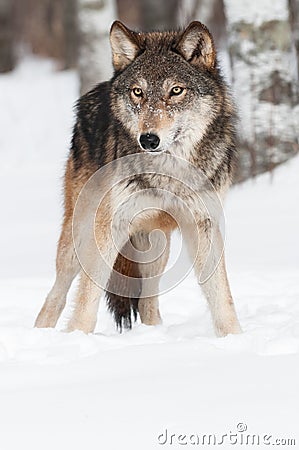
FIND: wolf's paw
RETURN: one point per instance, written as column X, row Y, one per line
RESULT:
column 223, row 330
column 86, row 327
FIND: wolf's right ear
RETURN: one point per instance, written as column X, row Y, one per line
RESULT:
column 124, row 45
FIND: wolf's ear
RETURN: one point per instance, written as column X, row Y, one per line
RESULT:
column 124, row 45
column 196, row 45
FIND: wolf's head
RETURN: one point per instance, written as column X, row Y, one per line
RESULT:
column 166, row 89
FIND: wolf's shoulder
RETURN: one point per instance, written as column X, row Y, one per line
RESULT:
column 95, row 100
column 93, row 117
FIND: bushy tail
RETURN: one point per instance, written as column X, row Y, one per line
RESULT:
column 123, row 308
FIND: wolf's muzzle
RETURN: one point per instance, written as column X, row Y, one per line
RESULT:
column 149, row 141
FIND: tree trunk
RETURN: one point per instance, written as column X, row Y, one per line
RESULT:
column 70, row 27
column 7, row 58
column 149, row 15
column 158, row 15
column 294, row 15
column 95, row 19
column 209, row 12
column 264, row 83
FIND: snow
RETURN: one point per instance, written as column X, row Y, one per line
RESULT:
column 110, row 391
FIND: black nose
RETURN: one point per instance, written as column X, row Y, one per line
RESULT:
column 149, row 141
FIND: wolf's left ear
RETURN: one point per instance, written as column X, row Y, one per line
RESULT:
column 196, row 45
column 124, row 45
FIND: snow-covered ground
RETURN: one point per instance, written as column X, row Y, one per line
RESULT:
column 110, row 391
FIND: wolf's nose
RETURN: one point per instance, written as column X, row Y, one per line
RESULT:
column 149, row 141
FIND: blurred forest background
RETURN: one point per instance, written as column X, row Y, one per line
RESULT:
column 258, row 43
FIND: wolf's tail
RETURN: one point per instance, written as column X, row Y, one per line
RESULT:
column 123, row 308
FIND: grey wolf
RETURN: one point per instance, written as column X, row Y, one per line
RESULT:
column 166, row 97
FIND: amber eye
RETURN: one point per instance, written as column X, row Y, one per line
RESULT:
column 176, row 90
column 137, row 92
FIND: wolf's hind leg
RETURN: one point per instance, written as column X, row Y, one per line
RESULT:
column 67, row 267
column 215, row 287
column 148, row 303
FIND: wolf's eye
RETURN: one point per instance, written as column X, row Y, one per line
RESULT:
column 137, row 92
column 176, row 90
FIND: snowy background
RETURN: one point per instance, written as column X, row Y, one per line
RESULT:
column 110, row 391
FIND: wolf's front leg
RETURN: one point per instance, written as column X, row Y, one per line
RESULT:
column 94, row 278
column 97, row 256
column 84, row 315
column 211, row 274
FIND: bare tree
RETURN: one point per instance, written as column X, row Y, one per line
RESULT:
column 129, row 13
column 265, row 82
column 95, row 18
column 48, row 28
column 149, row 15
column 158, row 15
column 209, row 12
column 7, row 58
column 294, row 16
column 69, row 17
